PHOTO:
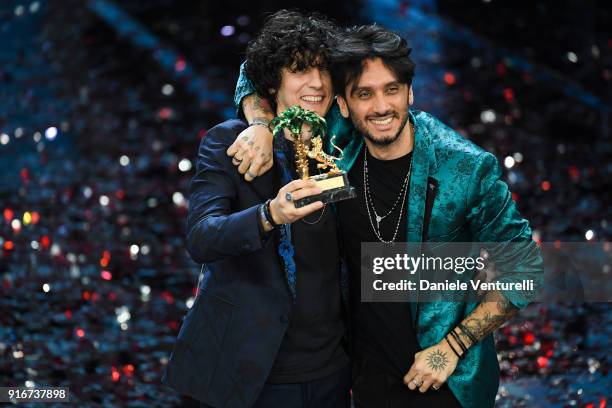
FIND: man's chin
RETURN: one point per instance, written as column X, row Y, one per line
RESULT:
column 382, row 139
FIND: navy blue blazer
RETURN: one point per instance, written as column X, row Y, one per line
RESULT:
column 230, row 337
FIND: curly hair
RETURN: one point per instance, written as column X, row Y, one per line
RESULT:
column 360, row 43
column 288, row 39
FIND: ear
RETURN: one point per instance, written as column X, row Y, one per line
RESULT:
column 410, row 96
column 343, row 106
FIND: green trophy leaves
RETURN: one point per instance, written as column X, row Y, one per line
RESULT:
column 293, row 119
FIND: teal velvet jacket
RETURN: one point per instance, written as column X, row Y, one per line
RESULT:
column 473, row 204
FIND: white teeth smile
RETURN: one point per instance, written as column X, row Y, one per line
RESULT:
column 382, row 122
column 312, row 98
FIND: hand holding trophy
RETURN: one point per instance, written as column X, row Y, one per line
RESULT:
column 333, row 183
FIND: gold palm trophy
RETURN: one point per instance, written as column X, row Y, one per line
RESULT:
column 334, row 182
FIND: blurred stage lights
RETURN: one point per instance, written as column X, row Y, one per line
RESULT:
column 487, row 116
column 46, row 288
column 16, row 224
column 184, row 165
column 589, row 235
column 509, row 162
column 104, row 200
column 167, row 89
column 243, row 20
column 227, row 30
column 189, row 302
column 123, row 314
column 572, row 57
column 4, row 139
column 51, row 133
column 124, row 160
column 178, row 198
column 518, row 157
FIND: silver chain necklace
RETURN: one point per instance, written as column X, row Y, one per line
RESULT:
column 369, row 202
column 318, row 219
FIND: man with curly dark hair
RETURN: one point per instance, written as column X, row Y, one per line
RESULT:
column 267, row 327
column 306, row 45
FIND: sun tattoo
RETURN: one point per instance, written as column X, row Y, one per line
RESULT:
column 437, row 360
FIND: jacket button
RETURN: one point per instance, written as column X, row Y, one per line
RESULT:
column 284, row 319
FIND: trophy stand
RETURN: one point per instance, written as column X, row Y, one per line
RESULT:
column 334, row 183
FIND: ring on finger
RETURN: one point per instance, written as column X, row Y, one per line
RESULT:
column 288, row 197
column 416, row 383
column 236, row 160
column 435, row 387
column 251, row 175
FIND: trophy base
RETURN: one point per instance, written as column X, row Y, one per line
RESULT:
column 335, row 188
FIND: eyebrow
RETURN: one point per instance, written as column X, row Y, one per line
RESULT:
column 355, row 88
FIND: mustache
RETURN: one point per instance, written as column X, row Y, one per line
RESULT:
column 382, row 115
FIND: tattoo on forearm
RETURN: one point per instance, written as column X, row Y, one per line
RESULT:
column 487, row 317
column 437, row 360
column 260, row 105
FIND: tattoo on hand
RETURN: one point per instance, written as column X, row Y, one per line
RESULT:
column 437, row 360
column 245, row 138
column 251, row 143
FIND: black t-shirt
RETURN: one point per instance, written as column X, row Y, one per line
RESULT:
column 312, row 347
column 382, row 332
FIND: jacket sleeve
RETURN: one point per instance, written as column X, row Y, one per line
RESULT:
column 244, row 87
column 495, row 220
column 214, row 229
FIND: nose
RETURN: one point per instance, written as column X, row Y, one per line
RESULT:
column 315, row 80
column 381, row 106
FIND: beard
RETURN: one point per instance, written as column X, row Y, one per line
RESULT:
column 385, row 140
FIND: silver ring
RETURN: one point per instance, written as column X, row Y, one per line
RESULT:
column 251, row 175
column 236, row 160
column 416, row 383
column 288, row 197
column 435, row 388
